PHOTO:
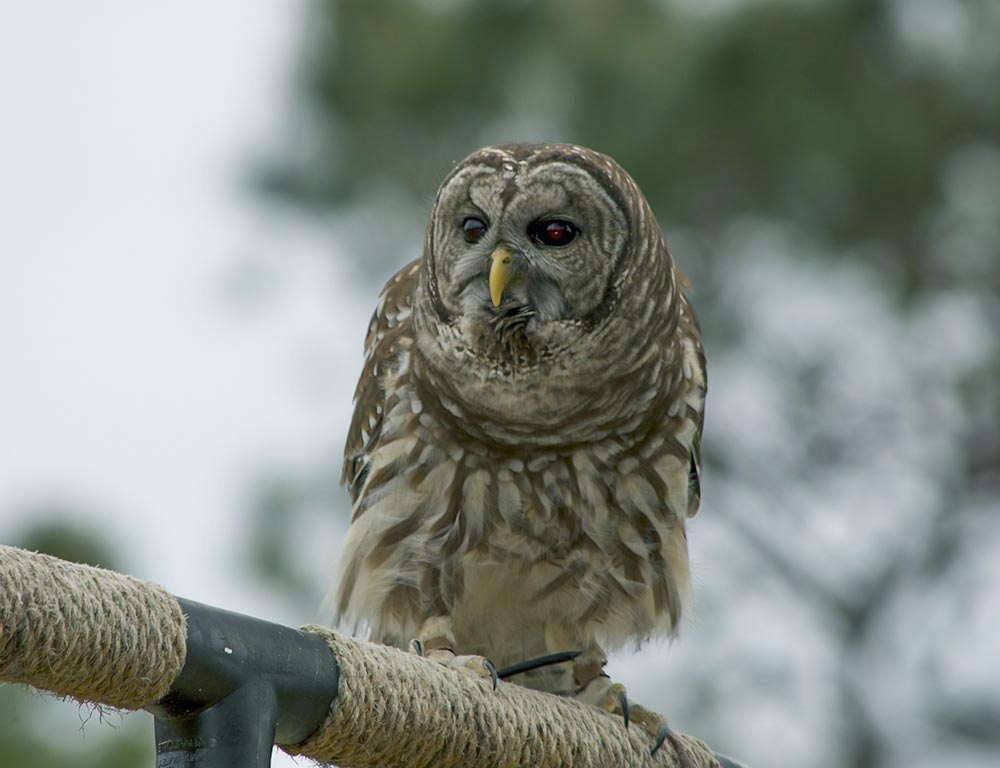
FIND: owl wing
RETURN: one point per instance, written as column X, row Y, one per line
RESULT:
column 696, row 376
column 389, row 325
column 694, row 478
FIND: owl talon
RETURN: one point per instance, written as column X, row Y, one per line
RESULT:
column 601, row 692
column 662, row 737
column 491, row 668
column 683, row 759
column 438, row 649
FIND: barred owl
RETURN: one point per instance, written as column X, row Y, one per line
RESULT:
column 524, row 452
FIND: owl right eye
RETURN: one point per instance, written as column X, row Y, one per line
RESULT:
column 473, row 229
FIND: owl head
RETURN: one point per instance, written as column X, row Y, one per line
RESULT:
column 541, row 260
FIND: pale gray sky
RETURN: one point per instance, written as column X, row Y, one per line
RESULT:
column 127, row 381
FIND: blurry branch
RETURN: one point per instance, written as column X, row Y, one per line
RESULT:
column 791, row 571
column 857, row 615
column 940, row 545
column 979, row 722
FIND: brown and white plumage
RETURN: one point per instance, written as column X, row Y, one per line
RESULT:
column 527, row 469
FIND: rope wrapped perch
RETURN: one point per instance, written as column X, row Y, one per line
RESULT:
column 114, row 640
column 394, row 709
column 85, row 632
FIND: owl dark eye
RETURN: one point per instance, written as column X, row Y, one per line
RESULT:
column 473, row 229
column 553, row 232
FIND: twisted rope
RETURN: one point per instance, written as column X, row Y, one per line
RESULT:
column 88, row 633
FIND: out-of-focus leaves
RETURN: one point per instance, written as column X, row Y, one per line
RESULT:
column 25, row 741
column 828, row 173
column 276, row 517
column 55, row 533
column 293, row 522
column 812, row 111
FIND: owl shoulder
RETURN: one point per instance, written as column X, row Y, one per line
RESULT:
column 388, row 332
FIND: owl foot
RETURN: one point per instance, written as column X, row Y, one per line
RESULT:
column 477, row 666
column 437, row 644
column 604, row 694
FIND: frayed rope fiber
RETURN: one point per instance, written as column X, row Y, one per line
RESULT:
column 394, row 709
column 86, row 632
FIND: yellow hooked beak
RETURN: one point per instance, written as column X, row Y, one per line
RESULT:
column 500, row 273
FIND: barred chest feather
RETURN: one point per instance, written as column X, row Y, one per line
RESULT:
column 513, row 541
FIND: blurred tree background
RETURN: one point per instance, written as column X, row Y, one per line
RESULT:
column 827, row 172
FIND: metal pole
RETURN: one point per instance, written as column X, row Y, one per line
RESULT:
column 246, row 685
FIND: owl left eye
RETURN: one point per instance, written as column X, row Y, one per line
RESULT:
column 553, row 232
column 473, row 229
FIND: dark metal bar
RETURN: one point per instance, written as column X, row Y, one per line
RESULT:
column 246, row 685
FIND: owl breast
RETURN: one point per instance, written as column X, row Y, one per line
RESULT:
column 541, row 391
column 507, row 536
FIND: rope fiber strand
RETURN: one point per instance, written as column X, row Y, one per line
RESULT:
column 118, row 641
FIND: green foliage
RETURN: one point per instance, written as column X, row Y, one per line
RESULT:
column 54, row 534
column 833, row 149
column 26, row 735
column 814, row 112
column 291, row 520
